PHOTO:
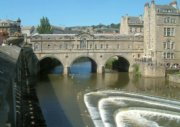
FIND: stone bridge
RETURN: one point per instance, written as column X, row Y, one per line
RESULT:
column 99, row 48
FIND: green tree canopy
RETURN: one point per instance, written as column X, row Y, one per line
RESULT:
column 44, row 27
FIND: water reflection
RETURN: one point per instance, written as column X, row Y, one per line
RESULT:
column 66, row 90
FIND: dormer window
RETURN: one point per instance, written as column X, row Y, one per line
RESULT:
column 169, row 10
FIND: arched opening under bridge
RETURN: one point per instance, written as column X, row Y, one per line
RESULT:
column 50, row 65
column 117, row 63
column 83, row 65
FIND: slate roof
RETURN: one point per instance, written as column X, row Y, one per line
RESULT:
column 8, row 21
column 135, row 20
column 167, row 9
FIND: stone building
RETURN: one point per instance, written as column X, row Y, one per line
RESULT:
column 152, row 40
column 28, row 30
column 12, row 27
column 161, row 30
column 131, row 25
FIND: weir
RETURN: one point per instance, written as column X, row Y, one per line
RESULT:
column 121, row 109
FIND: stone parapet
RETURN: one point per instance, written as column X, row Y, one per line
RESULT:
column 71, row 37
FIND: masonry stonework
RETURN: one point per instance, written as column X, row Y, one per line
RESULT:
column 152, row 41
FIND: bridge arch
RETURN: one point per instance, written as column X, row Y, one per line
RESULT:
column 84, row 58
column 118, row 62
column 48, row 63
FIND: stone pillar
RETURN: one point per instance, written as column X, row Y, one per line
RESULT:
column 100, row 69
column 66, row 70
column 131, row 68
column 151, row 70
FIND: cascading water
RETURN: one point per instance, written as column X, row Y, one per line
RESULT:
column 122, row 109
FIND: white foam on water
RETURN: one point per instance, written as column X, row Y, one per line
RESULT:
column 93, row 111
column 137, row 117
column 123, row 99
column 100, row 112
column 123, row 103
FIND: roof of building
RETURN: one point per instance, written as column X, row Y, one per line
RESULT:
column 135, row 20
column 165, row 7
column 27, row 27
column 7, row 21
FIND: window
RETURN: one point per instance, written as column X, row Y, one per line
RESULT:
column 172, row 55
column 168, row 55
column 90, row 46
column 165, row 31
column 173, row 20
column 101, row 46
column 169, row 31
column 135, row 30
column 130, row 30
column 107, row 46
column 170, row 20
column 169, row 10
column 95, row 46
column 172, row 32
column 168, row 45
column 172, row 45
column 164, row 55
column 167, row 20
column 141, row 30
column 139, row 55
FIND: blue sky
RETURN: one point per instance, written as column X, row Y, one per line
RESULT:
column 72, row 12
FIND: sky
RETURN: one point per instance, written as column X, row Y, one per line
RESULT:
column 72, row 12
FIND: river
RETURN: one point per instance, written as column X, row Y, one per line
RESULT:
column 73, row 100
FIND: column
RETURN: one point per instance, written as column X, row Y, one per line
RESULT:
column 100, row 69
column 66, row 70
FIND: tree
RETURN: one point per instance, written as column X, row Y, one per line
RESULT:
column 44, row 27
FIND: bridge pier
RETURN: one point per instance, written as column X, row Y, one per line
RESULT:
column 66, row 70
column 100, row 69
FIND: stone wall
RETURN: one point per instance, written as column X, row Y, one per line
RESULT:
column 152, row 70
column 8, row 61
column 174, row 78
column 18, row 69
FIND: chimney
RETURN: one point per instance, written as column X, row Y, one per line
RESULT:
column 146, row 4
column 141, row 18
column 174, row 4
column 153, row 2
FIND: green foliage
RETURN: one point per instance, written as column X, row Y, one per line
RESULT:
column 44, row 27
column 112, row 25
column 137, row 70
column 109, row 64
column 115, row 25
